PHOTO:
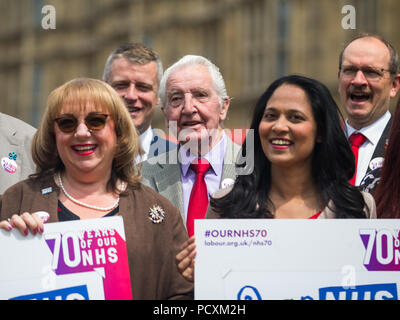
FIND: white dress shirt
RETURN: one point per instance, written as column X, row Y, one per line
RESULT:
column 212, row 178
column 145, row 141
column 373, row 133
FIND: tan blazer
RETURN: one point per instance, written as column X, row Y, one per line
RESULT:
column 15, row 136
column 369, row 209
column 151, row 247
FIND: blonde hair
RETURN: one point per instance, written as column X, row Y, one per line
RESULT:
column 81, row 93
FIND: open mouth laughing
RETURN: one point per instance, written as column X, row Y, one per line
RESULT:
column 360, row 97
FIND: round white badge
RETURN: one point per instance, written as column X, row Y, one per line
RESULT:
column 227, row 182
column 376, row 163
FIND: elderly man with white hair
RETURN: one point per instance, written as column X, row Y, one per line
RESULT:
column 195, row 104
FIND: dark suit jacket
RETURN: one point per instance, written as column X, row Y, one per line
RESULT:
column 151, row 247
column 372, row 177
column 160, row 145
column 381, row 146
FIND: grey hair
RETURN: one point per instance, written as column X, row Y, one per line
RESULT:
column 193, row 60
column 135, row 53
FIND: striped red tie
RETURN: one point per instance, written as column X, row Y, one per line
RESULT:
column 198, row 201
column 356, row 141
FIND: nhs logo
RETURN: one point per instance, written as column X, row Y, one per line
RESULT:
column 72, row 293
column 387, row 291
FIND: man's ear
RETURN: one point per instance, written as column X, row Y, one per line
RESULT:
column 224, row 108
column 395, row 85
column 165, row 116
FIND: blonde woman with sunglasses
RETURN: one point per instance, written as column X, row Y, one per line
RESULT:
column 84, row 151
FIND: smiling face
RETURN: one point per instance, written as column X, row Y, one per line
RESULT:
column 365, row 99
column 193, row 103
column 288, row 131
column 85, row 151
column 137, row 84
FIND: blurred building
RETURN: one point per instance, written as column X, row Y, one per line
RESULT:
column 252, row 41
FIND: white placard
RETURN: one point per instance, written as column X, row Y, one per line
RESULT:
column 339, row 259
column 75, row 260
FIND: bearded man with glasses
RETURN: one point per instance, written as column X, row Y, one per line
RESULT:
column 368, row 79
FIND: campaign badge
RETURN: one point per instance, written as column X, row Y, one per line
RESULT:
column 227, row 183
column 9, row 163
column 376, row 163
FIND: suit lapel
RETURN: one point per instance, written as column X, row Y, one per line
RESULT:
column 168, row 183
column 381, row 146
column 10, row 143
column 160, row 145
column 153, row 151
column 231, row 152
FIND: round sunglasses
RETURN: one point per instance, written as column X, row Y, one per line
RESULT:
column 94, row 121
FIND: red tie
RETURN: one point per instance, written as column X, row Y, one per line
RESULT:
column 198, row 201
column 356, row 140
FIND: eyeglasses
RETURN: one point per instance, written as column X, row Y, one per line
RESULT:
column 369, row 73
column 94, row 121
column 177, row 98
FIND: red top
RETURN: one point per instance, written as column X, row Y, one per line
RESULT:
column 315, row 216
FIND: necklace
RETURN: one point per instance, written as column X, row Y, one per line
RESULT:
column 85, row 204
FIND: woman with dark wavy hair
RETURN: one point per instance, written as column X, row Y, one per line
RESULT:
column 302, row 163
column 384, row 182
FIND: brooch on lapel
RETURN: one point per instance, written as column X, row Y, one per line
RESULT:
column 156, row 214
